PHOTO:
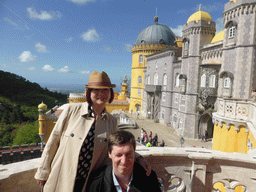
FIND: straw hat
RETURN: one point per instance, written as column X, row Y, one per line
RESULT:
column 99, row 81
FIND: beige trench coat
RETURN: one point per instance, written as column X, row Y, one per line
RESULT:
column 59, row 160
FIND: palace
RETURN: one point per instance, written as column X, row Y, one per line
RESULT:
column 200, row 81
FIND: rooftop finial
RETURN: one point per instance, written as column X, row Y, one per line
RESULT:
column 200, row 6
column 156, row 18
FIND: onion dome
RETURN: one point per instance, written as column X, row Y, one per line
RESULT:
column 42, row 106
column 200, row 15
column 218, row 37
column 156, row 34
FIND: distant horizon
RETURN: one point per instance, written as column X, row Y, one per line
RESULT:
column 69, row 86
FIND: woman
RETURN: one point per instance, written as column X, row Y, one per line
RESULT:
column 77, row 144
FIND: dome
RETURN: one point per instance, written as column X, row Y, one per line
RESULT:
column 42, row 106
column 200, row 15
column 218, row 37
column 156, row 34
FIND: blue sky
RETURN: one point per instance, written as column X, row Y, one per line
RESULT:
column 59, row 43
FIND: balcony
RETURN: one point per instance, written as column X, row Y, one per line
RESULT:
column 236, row 112
column 181, row 169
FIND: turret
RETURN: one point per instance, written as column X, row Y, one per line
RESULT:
column 42, row 121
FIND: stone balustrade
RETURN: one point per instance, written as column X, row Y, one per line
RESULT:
column 236, row 112
column 180, row 169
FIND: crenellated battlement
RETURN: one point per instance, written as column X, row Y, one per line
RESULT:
column 234, row 10
column 198, row 30
column 154, row 47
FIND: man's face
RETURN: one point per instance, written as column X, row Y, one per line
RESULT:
column 122, row 157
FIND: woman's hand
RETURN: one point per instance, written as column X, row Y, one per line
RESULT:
column 145, row 164
column 41, row 182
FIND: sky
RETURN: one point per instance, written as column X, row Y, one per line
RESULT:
column 58, row 43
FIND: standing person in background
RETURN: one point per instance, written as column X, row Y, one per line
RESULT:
column 155, row 140
column 150, row 137
column 123, row 174
column 77, row 144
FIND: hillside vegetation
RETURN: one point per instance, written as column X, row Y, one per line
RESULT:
column 19, row 99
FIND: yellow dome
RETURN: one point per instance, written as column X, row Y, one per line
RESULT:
column 200, row 15
column 218, row 37
column 42, row 106
column 234, row 1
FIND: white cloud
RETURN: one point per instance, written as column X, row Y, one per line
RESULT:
column 44, row 15
column 31, row 68
column 213, row 7
column 70, row 39
column 84, row 72
column 3, row 65
column 90, row 35
column 41, row 48
column 82, row 2
column 18, row 24
column 128, row 47
column 65, row 69
column 178, row 30
column 48, row 68
column 26, row 56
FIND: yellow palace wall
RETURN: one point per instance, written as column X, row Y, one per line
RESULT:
column 137, row 70
column 230, row 140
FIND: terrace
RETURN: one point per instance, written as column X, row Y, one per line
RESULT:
column 181, row 169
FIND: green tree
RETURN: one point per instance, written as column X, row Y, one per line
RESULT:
column 27, row 134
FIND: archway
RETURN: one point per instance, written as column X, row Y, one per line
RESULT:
column 205, row 124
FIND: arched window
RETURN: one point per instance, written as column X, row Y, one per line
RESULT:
column 139, row 80
column 165, row 79
column 156, row 79
column 148, row 79
column 212, row 81
column 203, row 80
column 139, row 92
column 231, row 33
column 156, row 65
column 227, row 82
column 186, row 45
column 141, row 58
column 163, row 96
column 177, row 80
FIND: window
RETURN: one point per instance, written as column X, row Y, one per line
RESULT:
column 162, row 113
column 181, row 123
column 163, row 96
column 176, row 99
column 212, row 81
column 165, row 79
column 139, row 92
column 156, row 65
column 183, row 100
column 148, row 79
column 141, row 58
column 156, row 79
column 139, row 80
column 232, row 32
column 175, row 118
column 203, row 80
column 177, row 80
column 227, row 82
column 186, row 45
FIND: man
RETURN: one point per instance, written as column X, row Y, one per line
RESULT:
column 123, row 174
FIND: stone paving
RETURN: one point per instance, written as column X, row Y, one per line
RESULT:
column 166, row 133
